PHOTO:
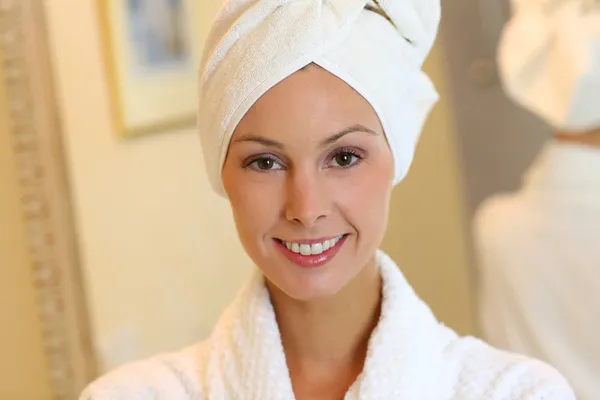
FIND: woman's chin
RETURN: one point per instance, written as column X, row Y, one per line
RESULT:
column 309, row 287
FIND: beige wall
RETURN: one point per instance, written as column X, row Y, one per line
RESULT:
column 427, row 234
column 159, row 250
column 23, row 373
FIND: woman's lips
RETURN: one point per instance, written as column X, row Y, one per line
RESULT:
column 306, row 258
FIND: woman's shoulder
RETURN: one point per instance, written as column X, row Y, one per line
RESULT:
column 488, row 373
column 175, row 376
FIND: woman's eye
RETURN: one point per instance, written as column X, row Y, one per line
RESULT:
column 265, row 164
column 344, row 159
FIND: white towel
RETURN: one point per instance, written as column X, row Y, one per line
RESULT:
column 255, row 44
column 550, row 61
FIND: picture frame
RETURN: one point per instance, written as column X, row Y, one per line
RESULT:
column 152, row 49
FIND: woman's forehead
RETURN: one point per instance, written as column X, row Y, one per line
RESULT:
column 310, row 100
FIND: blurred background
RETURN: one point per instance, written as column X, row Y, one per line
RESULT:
column 113, row 246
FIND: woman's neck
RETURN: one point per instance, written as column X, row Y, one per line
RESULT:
column 328, row 337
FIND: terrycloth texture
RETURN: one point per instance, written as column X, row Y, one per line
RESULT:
column 540, row 266
column 255, row 44
column 410, row 357
column 549, row 60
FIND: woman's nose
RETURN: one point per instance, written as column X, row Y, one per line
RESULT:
column 307, row 201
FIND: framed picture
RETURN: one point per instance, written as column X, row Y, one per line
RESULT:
column 152, row 50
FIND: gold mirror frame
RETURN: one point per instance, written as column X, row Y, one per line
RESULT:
column 43, row 184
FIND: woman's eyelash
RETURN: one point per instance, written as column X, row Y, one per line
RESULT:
column 247, row 162
column 352, row 152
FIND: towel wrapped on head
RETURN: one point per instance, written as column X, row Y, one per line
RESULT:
column 376, row 47
column 549, row 58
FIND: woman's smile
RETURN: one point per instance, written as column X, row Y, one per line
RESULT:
column 311, row 253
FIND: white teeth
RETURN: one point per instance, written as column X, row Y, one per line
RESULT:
column 314, row 249
column 295, row 247
column 305, row 249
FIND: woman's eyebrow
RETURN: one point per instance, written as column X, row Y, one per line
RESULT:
column 331, row 139
column 259, row 139
column 354, row 128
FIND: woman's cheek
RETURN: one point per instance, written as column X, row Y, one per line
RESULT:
column 373, row 193
column 259, row 203
column 354, row 194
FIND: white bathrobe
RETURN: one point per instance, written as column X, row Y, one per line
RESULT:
column 410, row 356
column 540, row 266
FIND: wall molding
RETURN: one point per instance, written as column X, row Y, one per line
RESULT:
column 33, row 117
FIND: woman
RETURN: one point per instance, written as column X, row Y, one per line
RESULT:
column 538, row 246
column 309, row 113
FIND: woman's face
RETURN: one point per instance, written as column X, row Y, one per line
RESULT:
column 309, row 176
